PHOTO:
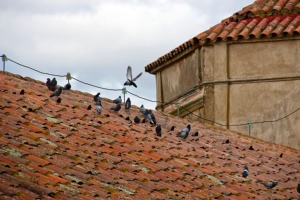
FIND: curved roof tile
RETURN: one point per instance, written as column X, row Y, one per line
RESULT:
column 267, row 18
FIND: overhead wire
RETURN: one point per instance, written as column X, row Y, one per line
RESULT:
column 212, row 121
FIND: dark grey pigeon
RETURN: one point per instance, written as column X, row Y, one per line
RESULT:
column 97, row 97
column 116, row 107
column 158, row 130
column 270, row 184
column 142, row 109
column 128, row 103
column 137, row 120
column 184, row 132
column 245, row 172
column 53, row 84
column 148, row 116
column 57, row 92
column 130, row 80
column 48, row 83
column 118, row 100
column 298, row 188
column 99, row 107
column 67, row 86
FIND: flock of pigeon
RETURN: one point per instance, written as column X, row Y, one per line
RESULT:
column 147, row 114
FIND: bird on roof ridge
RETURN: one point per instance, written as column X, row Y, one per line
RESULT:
column 245, row 172
column 184, row 132
column 118, row 100
column 130, row 80
column 57, row 92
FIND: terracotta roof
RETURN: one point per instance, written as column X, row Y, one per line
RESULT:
column 65, row 151
column 262, row 19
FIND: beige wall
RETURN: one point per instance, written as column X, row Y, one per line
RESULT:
column 179, row 77
column 270, row 94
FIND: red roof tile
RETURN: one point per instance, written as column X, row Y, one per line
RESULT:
column 65, row 151
column 263, row 18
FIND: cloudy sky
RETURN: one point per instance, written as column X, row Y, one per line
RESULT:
column 96, row 40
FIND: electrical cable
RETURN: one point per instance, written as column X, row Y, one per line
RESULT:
column 241, row 124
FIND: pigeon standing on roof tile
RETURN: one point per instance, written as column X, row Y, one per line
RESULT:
column 245, row 172
column 137, row 120
column 128, row 103
column 130, row 80
column 48, row 83
column 142, row 109
column 53, row 84
column 153, row 120
column 270, row 184
column 116, row 107
column 158, row 130
column 99, row 107
column 118, row 100
column 97, row 98
column 148, row 117
column 57, row 92
column 298, row 188
column 184, row 132
column 67, row 86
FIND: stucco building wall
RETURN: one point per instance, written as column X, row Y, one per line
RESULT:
column 256, row 82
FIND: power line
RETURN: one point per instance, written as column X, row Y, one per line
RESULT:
column 220, row 124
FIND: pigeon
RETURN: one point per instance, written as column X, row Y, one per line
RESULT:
column 118, row 100
column 184, row 132
column 298, row 188
column 48, row 83
column 245, row 172
column 53, row 84
column 153, row 120
column 67, row 86
column 116, row 107
column 148, row 117
column 137, row 120
column 142, row 109
column 57, row 92
column 99, row 107
column 270, row 184
column 128, row 103
column 158, row 130
column 97, row 98
column 130, row 81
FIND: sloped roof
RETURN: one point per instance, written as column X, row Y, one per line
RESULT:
column 65, row 151
column 262, row 19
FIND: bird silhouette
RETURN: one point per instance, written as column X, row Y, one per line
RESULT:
column 130, row 80
column 97, row 98
column 245, row 172
column 116, row 107
column 99, row 107
column 53, row 84
column 48, row 83
column 127, row 103
column 270, row 184
column 57, row 92
column 158, row 130
column 67, row 86
column 184, row 132
column 142, row 109
column 118, row 100
column 137, row 120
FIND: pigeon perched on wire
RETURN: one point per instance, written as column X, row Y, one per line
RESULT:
column 118, row 100
column 270, row 184
column 127, row 103
column 57, row 92
column 245, row 172
column 184, row 132
column 48, row 83
column 53, row 84
column 116, row 107
column 130, row 80
column 158, row 130
column 97, row 98
column 67, row 86
column 99, row 107
column 137, row 120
